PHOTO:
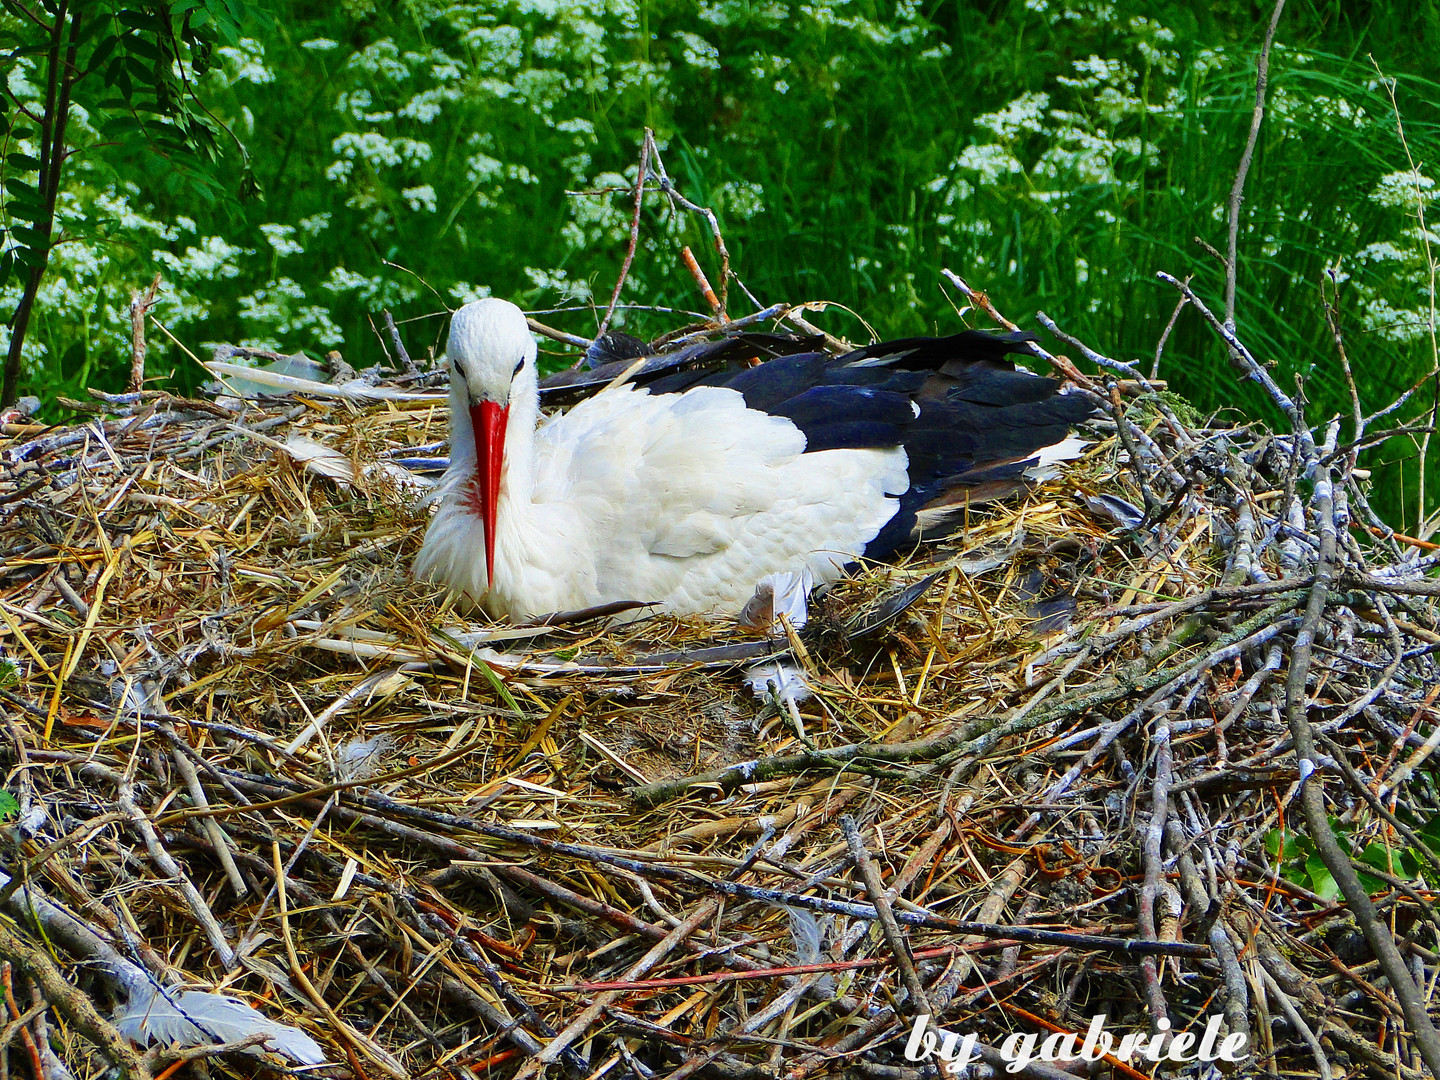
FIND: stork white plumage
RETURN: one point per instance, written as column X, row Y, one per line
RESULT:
column 681, row 499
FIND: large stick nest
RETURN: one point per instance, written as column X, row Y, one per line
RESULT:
column 251, row 754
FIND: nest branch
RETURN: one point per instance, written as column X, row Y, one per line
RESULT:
column 1106, row 753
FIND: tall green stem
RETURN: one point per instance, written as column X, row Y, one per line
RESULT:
column 60, row 79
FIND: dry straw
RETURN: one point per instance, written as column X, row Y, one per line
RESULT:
column 1080, row 775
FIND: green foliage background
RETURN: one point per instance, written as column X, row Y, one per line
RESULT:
column 1054, row 152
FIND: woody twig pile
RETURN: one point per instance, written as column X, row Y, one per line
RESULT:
column 1155, row 744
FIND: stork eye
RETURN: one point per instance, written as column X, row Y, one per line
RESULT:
column 459, row 368
column 518, row 366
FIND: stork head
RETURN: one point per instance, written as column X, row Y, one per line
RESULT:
column 490, row 350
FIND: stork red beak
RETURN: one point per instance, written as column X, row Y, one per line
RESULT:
column 488, row 420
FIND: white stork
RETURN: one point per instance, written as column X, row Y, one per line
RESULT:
column 686, row 499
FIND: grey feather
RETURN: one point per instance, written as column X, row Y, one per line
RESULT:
column 198, row 1018
column 805, row 933
column 808, row 935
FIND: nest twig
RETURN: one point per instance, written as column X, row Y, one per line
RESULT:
column 1165, row 763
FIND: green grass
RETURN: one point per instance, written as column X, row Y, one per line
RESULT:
column 843, row 147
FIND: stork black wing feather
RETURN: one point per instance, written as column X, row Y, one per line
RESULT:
column 680, row 368
column 985, row 384
column 613, row 347
column 828, row 404
column 881, row 378
column 931, row 352
column 680, row 381
column 853, row 435
column 768, row 386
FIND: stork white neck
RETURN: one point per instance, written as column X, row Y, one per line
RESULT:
column 494, row 406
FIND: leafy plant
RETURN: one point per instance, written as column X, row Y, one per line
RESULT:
column 110, row 74
column 1302, row 865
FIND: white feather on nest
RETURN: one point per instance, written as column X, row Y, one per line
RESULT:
column 331, row 463
column 1048, row 458
column 787, row 593
column 198, row 1018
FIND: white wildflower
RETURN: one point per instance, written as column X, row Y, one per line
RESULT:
column 343, row 280
column 378, row 151
column 1025, row 113
column 425, row 106
column 480, row 168
column 280, row 307
column 989, row 162
column 420, row 198
column 381, row 58
column 281, row 238
column 465, row 293
column 1396, row 324
column 215, row 258
column 559, row 282
column 355, row 102
column 499, row 49
column 697, row 52
column 740, row 198
column 245, row 62
column 1406, row 190
column 1384, row 251
column 580, row 127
